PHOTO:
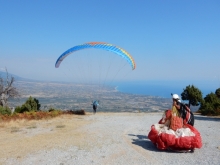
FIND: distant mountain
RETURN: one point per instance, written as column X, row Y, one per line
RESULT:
column 17, row 78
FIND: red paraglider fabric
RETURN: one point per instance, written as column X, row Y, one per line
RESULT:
column 185, row 138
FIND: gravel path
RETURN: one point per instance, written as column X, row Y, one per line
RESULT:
column 121, row 138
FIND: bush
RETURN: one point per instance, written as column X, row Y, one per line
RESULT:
column 23, row 108
column 38, row 104
column 55, row 113
column 18, row 109
column 31, row 104
column 77, row 112
column 210, row 105
column 5, row 110
column 217, row 92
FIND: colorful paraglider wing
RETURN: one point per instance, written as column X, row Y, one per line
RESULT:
column 98, row 45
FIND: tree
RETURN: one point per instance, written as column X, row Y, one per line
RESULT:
column 193, row 94
column 7, row 90
column 38, row 104
column 210, row 105
column 217, row 92
column 31, row 104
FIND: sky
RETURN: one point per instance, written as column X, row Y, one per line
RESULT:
column 170, row 40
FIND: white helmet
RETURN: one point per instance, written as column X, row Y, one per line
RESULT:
column 175, row 96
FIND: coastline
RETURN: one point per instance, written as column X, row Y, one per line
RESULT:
column 162, row 88
column 104, row 138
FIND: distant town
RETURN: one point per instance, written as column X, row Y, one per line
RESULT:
column 69, row 96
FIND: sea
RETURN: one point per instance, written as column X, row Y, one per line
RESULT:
column 163, row 88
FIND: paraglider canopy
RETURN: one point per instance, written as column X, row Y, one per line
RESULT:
column 98, row 45
column 95, row 71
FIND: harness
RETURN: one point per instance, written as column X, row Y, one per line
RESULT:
column 186, row 114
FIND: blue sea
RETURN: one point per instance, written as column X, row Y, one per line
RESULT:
column 163, row 88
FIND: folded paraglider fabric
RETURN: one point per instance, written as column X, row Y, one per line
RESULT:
column 176, row 123
column 184, row 137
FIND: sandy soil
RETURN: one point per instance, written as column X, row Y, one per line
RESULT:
column 104, row 138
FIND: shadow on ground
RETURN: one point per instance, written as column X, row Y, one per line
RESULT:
column 144, row 142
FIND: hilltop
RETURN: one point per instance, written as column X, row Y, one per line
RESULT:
column 104, row 138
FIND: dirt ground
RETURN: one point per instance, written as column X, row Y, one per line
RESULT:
column 104, row 138
column 22, row 137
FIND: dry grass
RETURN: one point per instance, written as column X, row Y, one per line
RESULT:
column 39, row 115
column 20, row 137
column 60, row 126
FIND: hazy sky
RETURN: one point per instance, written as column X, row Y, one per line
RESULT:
column 169, row 39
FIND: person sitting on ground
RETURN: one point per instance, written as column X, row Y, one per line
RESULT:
column 170, row 116
column 176, row 105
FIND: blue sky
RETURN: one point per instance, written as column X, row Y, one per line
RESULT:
column 170, row 40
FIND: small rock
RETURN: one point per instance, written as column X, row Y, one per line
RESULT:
column 218, row 147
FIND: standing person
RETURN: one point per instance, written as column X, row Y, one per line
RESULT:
column 95, row 106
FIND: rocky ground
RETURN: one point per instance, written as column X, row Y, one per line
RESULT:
column 103, row 138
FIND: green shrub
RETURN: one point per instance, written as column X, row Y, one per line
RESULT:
column 210, row 105
column 5, row 110
column 55, row 113
column 17, row 109
column 31, row 104
column 38, row 104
